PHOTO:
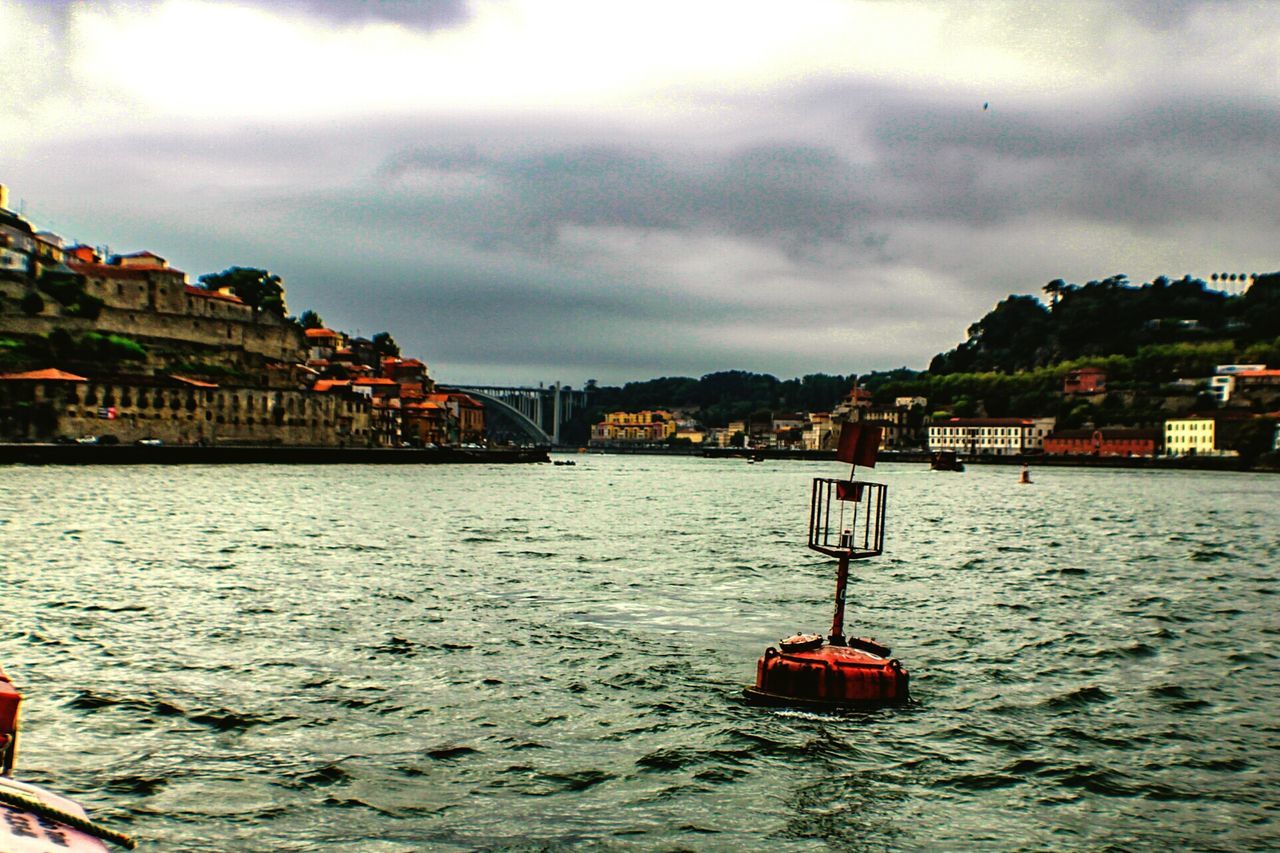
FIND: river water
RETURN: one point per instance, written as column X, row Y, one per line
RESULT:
column 472, row 657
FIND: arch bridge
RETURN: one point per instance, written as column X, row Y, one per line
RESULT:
column 527, row 415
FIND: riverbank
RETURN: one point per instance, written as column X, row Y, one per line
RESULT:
column 1188, row 463
column 132, row 454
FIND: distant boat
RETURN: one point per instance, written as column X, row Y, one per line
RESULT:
column 565, row 462
column 945, row 460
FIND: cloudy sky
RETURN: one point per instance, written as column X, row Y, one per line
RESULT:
column 541, row 190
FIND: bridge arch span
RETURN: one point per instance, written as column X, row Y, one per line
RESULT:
column 519, row 425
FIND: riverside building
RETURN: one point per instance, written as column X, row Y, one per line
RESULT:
column 990, row 436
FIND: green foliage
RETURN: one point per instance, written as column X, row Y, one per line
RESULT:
column 1112, row 317
column 257, row 288
column 31, row 304
column 385, row 346
column 1015, row 359
column 718, row 398
column 1262, row 352
column 1259, row 307
column 63, row 289
column 1253, row 439
column 200, row 368
column 93, row 349
column 86, row 306
column 110, row 348
column 68, row 291
column 310, row 320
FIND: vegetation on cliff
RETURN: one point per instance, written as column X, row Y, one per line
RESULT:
column 92, row 351
column 1014, row 359
column 1113, row 317
column 259, row 289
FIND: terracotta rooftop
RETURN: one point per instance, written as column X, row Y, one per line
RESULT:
column 985, row 422
column 193, row 290
column 321, row 333
column 49, row 374
column 196, row 382
column 113, row 271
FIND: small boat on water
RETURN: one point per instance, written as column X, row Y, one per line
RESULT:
column 33, row 819
column 945, row 460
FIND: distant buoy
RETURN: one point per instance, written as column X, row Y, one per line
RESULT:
column 1026, row 475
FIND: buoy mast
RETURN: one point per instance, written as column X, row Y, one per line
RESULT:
column 846, row 521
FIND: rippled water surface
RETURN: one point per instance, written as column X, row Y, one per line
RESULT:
column 457, row 657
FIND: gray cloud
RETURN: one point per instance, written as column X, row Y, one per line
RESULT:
column 422, row 14
column 834, row 224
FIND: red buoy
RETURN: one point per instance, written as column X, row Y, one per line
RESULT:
column 846, row 521
column 10, row 699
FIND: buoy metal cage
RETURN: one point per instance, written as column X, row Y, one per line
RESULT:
column 846, row 518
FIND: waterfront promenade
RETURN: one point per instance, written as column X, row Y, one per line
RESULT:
column 1176, row 463
column 132, row 454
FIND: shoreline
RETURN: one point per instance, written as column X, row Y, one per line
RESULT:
column 132, row 454
column 1173, row 463
column 129, row 454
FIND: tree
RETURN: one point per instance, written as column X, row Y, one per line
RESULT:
column 310, row 320
column 1261, row 304
column 1253, row 438
column 258, row 289
column 1055, row 289
column 385, row 346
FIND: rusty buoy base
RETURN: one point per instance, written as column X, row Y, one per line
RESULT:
column 828, row 676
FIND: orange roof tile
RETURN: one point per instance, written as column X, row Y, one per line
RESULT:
column 196, row 382
column 112, row 271
column 193, row 290
column 321, row 333
column 49, row 374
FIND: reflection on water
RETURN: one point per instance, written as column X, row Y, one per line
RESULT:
column 457, row 657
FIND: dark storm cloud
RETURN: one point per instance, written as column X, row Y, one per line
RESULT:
column 832, row 223
column 420, row 14
column 1159, row 163
column 786, row 194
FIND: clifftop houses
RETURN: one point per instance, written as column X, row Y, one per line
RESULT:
column 199, row 365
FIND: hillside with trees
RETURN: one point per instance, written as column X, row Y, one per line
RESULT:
column 1150, row 339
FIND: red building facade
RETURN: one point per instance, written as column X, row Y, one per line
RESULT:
column 1103, row 442
column 1086, row 380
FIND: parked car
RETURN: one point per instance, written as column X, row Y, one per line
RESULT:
column 87, row 439
column 108, row 439
column 149, row 442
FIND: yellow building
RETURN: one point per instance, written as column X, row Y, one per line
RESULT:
column 647, row 427
column 1189, row 436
